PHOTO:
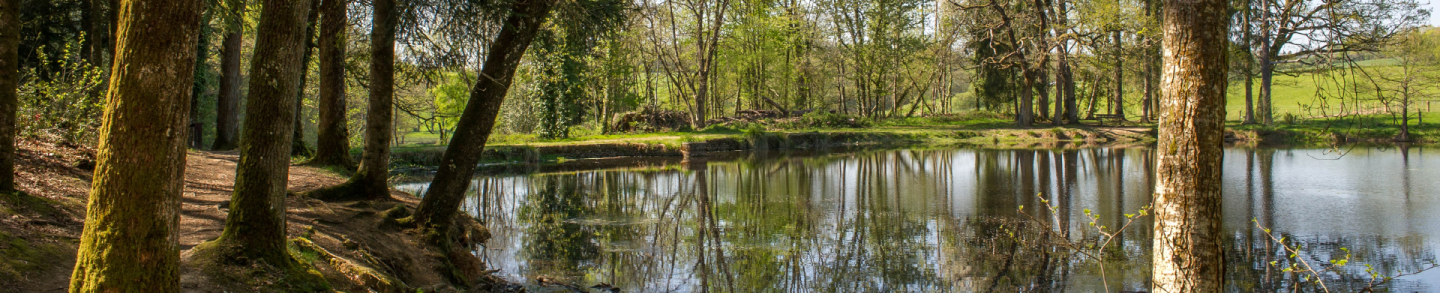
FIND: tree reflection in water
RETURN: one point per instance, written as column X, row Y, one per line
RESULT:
column 946, row 220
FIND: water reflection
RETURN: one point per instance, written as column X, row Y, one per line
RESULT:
column 946, row 220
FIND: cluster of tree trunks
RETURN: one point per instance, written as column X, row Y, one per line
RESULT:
column 149, row 103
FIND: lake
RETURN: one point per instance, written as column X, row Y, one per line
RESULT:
column 959, row 220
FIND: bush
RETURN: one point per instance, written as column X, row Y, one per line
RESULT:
column 63, row 105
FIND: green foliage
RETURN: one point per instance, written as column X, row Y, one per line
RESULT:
column 65, row 103
column 451, row 95
column 563, row 55
column 560, row 96
column 994, row 84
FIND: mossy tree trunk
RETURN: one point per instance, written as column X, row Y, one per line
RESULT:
column 370, row 182
column 332, row 145
column 1188, row 255
column 9, row 81
column 457, row 165
column 298, row 148
column 255, row 227
column 131, row 237
column 227, row 103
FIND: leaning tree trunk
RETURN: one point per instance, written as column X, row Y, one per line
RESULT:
column 131, row 237
column 332, row 144
column 1188, row 255
column 457, row 165
column 255, row 228
column 9, row 81
column 298, row 148
column 370, row 181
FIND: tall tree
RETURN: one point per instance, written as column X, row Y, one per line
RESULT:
column 255, row 228
column 297, row 140
column 690, row 79
column 370, row 182
column 227, row 104
column 9, row 81
column 457, row 165
column 1188, row 254
column 332, row 144
column 131, row 237
column 202, row 71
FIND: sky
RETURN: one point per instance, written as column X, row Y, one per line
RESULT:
column 1433, row 6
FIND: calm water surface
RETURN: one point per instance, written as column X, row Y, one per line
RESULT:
column 952, row 220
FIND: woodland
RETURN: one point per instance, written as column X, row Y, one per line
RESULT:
column 133, row 89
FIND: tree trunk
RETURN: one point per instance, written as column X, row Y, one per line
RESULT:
column 1267, row 68
column 379, row 119
column 1094, row 96
column 332, row 145
column 1249, row 44
column 1042, row 108
column 255, row 228
column 1188, row 255
column 91, row 22
column 1149, row 88
column 1267, row 74
column 298, row 148
column 202, row 54
column 227, row 112
column 457, row 165
column 1119, row 102
column 370, row 182
column 1023, row 109
column 9, row 83
column 131, row 240
column 1061, row 78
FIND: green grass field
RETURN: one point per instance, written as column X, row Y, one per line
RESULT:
column 1313, row 95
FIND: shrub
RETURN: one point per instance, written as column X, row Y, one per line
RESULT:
column 65, row 104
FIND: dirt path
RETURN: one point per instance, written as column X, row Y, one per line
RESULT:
column 209, row 181
column 49, row 225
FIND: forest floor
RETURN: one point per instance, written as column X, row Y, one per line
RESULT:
column 348, row 243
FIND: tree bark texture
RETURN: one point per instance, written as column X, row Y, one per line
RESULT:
column 1188, row 256
column 9, row 83
column 255, row 227
column 332, row 144
column 457, row 165
column 131, row 238
column 227, row 105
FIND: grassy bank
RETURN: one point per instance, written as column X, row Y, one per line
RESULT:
column 973, row 130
